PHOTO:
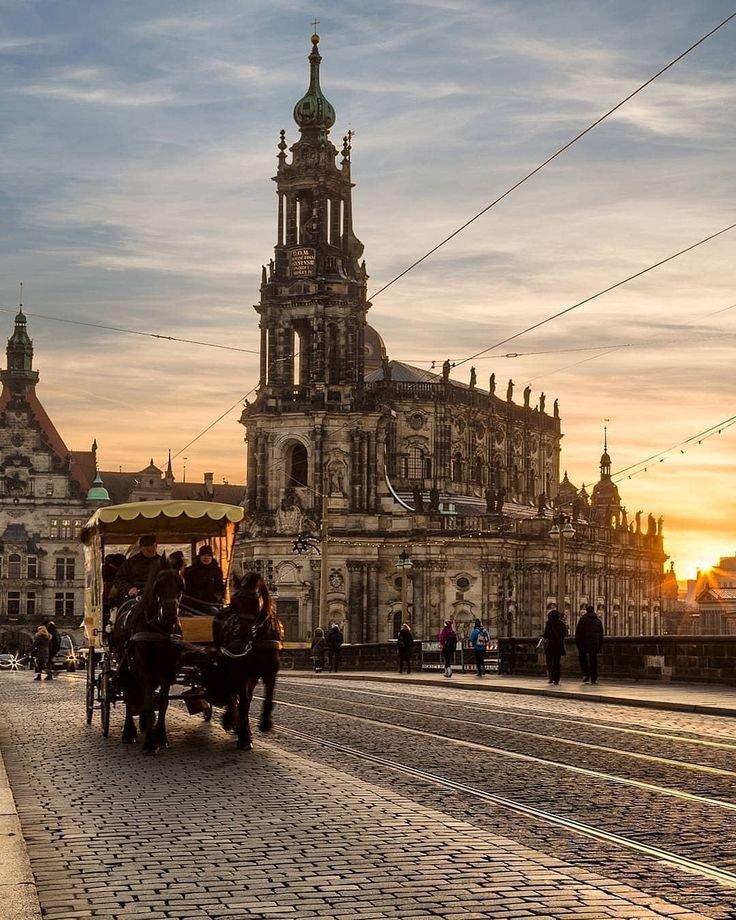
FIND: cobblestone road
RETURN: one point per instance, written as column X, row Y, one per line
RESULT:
column 293, row 830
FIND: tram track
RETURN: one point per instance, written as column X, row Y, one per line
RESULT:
column 571, row 742
column 527, row 758
column 520, row 712
column 683, row 863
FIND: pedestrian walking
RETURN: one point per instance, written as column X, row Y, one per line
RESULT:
column 589, row 639
column 53, row 650
column 40, row 651
column 479, row 639
column 334, row 646
column 405, row 646
column 448, row 644
column 319, row 649
column 555, row 631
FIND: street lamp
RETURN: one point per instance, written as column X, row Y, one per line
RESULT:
column 404, row 563
column 561, row 530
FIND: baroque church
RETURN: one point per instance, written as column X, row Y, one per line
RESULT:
column 393, row 474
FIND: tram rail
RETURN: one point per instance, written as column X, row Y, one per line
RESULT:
column 572, row 742
column 683, row 863
column 528, row 758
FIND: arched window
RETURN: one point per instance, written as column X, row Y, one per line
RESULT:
column 457, row 467
column 297, row 466
column 416, row 464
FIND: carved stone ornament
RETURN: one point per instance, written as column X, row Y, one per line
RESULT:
column 336, row 580
column 416, row 421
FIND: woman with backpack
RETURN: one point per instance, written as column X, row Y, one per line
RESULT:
column 319, row 649
column 479, row 639
column 448, row 644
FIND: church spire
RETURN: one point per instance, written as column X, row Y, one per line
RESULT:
column 19, row 373
column 313, row 113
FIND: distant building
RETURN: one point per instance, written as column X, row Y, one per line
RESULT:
column 714, row 599
column 46, row 493
column 397, row 459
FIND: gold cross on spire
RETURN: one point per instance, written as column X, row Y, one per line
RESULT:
column 315, row 23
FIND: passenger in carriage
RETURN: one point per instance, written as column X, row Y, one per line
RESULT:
column 133, row 574
column 204, row 581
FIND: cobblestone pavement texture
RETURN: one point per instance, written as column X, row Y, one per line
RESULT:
column 294, row 830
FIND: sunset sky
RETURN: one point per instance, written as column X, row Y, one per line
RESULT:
column 137, row 145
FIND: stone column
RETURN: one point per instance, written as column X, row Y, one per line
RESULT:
column 372, row 612
column 355, row 601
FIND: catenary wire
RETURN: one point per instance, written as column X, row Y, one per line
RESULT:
column 553, row 156
column 612, row 287
column 153, row 335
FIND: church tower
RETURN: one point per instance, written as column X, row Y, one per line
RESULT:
column 313, row 293
column 303, row 437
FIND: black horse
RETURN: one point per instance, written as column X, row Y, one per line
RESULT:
column 250, row 638
column 144, row 641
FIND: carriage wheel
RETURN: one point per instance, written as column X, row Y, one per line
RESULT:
column 105, row 698
column 90, row 689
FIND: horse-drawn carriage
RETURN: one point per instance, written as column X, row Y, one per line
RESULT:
column 141, row 648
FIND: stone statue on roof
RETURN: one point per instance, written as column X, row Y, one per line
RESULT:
column 473, row 378
column 510, row 391
column 527, row 395
column 492, row 384
column 446, row 370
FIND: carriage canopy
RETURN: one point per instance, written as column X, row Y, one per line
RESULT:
column 173, row 522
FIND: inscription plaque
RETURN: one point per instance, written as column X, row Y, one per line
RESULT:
column 301, row 261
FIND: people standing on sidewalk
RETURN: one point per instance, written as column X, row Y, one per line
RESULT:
column 555, row 631
column 479, row 639
column 334, row 645
column 448, row 644
column 405, row 646
column 54, row 648
column 40, row 651
column 319, row 649
column 589, row 639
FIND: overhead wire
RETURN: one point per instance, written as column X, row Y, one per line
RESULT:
column 553, row 156
column 592, row 297
column 153, row 335
column 626, row 471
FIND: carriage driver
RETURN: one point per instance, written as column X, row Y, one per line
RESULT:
column 133, row 574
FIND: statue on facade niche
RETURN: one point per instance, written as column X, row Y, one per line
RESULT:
column 446, row 370
column 434, row 499
column 500, row 499
column 541, row 504
column 418, row 500
column 510, row 391
column 527, row 396
column 289, row 515
column 490, row 500
column 637, row 518
column 336, row 474
column 492, row 384
column 473, row 378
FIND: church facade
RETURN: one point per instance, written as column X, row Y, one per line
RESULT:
column 422, row 497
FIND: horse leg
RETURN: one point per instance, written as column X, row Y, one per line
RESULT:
column 269, row 685
column 230, row 716
column 245, row 738
column 148, row 717
column 160, row 738
column 130, row 733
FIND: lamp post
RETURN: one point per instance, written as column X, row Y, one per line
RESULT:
column 561, row 530
column 323, row 558
column 404, row 563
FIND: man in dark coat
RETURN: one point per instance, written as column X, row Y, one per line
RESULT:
column 133, row 574
column 204, row 581
column 589, row 639
column 334, row 644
